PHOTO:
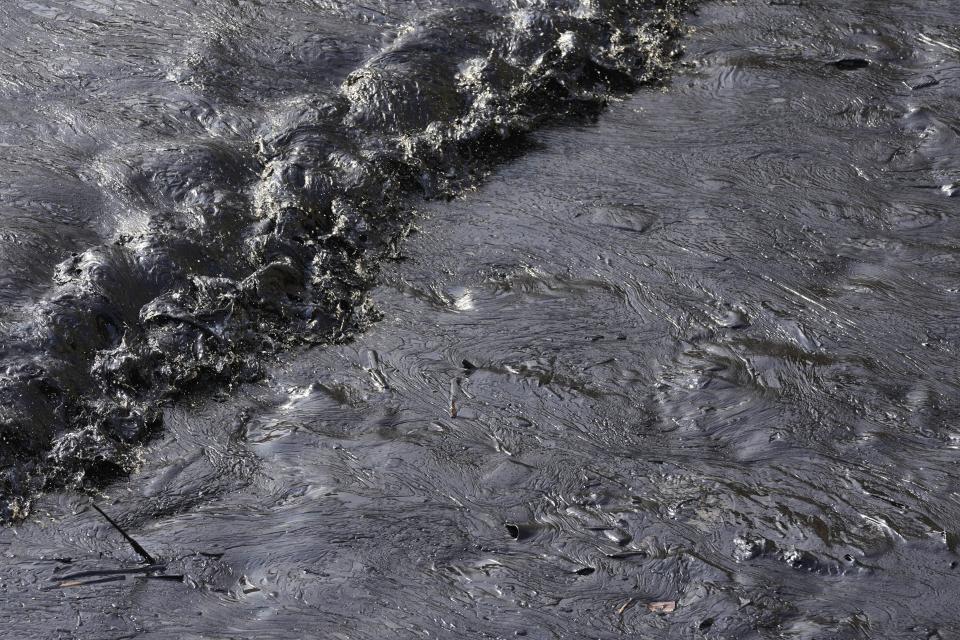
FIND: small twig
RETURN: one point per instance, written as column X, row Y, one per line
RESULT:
column 133, row 543
column 66, row 584
column 454, row 389
column 173, row 578
column 626, row 605
column 666, row 606
column 109, row 572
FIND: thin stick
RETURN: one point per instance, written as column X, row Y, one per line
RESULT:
column 108, row 572
column 626, row 605
column 133, row 543
column 80, row 583
column 454, row 389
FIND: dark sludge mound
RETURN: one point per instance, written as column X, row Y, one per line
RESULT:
column 251, row 248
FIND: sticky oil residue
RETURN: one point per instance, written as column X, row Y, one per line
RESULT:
column 255, row 211
column 685, row 371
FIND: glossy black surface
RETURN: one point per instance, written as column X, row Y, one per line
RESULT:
column 700, row 352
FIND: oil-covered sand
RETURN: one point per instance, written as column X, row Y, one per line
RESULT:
column 687, row 370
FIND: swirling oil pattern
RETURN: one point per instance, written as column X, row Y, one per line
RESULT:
column 687, row 369
column 209, row 185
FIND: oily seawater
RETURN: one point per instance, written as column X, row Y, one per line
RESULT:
column 234, row 247
column 687, row 369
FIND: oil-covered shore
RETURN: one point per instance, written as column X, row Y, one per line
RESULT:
column 687, row 370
